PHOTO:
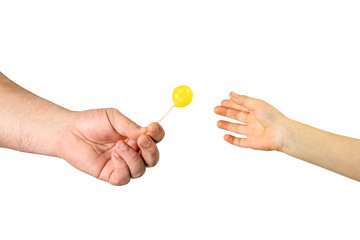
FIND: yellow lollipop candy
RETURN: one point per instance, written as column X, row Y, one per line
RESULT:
column 182, row 96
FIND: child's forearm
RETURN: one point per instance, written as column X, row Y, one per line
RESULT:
column 334, row 152
column 27, row 122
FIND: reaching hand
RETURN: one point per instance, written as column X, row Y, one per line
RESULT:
column 262, row 124
column 109, row 146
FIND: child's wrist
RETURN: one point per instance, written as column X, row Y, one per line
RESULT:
column 289, row 129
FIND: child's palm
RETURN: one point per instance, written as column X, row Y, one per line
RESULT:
column 260, row 123
column 259, row 136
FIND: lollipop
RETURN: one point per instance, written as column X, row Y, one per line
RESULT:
column 182, row 96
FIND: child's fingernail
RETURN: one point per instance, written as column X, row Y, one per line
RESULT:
column 234, row 94
column 116, row 155
column 123, row 146
column 146, row 142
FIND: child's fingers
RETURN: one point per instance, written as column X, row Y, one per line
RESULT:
column 233, row 127
column 245, row 101
column 230, row 104
column 121, row 173
column 232, row 113
column 240, row 142
column 132, row 158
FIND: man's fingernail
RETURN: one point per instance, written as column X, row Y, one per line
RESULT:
column 116, row 155
column 234, row 94
column 146, row 142
column 123, row 146
column 155, row 129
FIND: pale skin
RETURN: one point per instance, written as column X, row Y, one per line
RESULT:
column 266, row 128
column 102, row 142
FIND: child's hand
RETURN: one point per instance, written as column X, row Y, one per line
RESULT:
column 263, row 124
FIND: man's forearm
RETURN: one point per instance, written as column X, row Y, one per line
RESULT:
column 29, row 123
column 334, row 152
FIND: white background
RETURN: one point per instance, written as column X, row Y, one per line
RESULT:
column 301, row 56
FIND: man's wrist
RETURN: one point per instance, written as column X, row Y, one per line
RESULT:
column 61, row 127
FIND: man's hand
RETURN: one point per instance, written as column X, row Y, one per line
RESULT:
column 103, row 143
column 109, row 146
column 262, row 124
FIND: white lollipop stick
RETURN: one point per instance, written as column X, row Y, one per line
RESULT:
column 166, row 113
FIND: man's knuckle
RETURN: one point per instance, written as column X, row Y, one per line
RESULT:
column 139, row 173
column 120, row 180
column 130, row 123
column 133, row 158
column 124, row 181
column 153, row 162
